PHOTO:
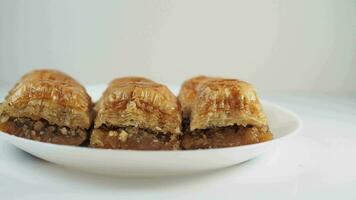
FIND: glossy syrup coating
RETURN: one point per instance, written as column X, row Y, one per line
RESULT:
column 50, row 95
column 220, row 102
column 188, row 92
column 139, row 102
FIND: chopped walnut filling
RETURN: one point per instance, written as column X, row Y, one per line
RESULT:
column 29, row 126
column 41, row 130
column 124, row 132
column 223, row 136
column 133, row 138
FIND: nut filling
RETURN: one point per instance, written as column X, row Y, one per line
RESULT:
column 41, row 130
column 224, row 136
column 132, row 138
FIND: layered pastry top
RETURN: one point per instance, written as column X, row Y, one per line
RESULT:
column 47, row 105
column 50, row 95
column 139, row 102
column 219, row 102
column 188, row 93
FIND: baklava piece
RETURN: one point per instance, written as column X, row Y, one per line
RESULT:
column 137, row 113
column 221, row 112
column 47, row 106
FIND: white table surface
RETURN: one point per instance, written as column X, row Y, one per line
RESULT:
column 318, row 163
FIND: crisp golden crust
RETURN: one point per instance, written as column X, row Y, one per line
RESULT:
column 188, row 92
column 50, row 95
column 139, row 102
column 218, row 102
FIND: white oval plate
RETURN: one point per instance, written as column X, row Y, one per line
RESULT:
column 283, row 124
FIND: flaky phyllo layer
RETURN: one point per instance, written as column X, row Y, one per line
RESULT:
column 212, row 105
column 139, row 102
column 51, row 98
column 135, row 103
column 50, row 95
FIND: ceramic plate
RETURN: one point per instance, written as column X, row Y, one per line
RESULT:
column 283, row 124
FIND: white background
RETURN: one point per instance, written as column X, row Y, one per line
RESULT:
column 301, row 45
column 290, row 50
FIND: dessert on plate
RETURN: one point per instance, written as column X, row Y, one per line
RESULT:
column 220, row 112
column 137, row 113
column 47, row 106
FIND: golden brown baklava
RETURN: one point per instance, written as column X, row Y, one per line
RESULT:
column 221, row 112
column 47, row 106
column 137, row 113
